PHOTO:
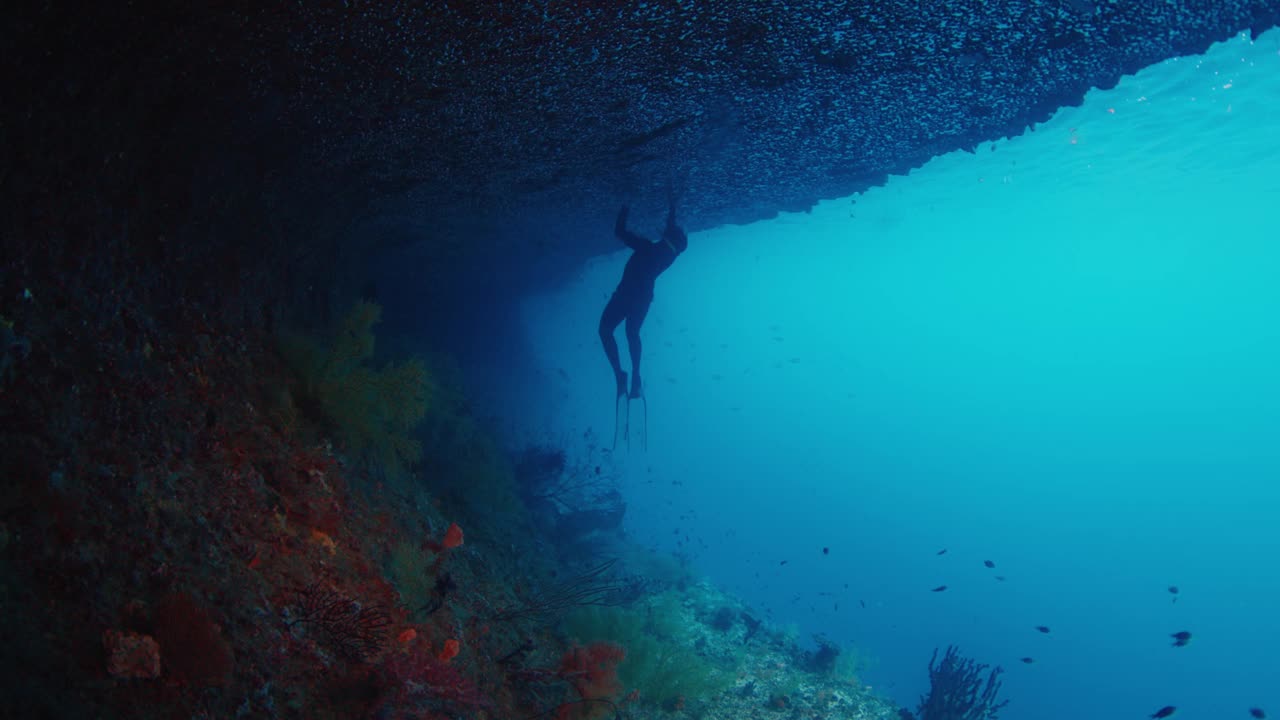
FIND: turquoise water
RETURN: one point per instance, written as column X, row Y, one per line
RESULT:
column 1060, row 354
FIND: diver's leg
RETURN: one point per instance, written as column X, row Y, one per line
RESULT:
column 613, row 314
column 635, row 319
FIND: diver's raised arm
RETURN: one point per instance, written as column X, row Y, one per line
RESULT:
column 632, row 240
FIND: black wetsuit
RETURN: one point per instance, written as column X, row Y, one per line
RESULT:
column 631, row 299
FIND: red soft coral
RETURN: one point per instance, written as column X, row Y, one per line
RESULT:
column 417, row 675
column 593, row 672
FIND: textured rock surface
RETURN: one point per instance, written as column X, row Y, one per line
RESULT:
column 559, row 110
column 518, row 127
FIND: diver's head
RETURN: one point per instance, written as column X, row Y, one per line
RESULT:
column 675, row 238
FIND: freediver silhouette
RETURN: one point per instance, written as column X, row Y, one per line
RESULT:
column 630, row 302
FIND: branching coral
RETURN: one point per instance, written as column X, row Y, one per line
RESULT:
column 579, row 498
column 595, row 586
column 957, row 690
column 353, row 631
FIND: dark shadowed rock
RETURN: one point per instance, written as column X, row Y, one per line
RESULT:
column 514, row 130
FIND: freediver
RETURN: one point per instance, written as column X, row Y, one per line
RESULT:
column 631, row 299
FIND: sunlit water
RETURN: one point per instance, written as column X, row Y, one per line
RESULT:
column 1060, row 354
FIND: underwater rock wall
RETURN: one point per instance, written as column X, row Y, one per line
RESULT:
column 512, row 130
column 178, row 534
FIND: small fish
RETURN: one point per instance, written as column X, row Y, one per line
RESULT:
column 784, row 562
column 1043, row 628
column 826, row 551
column 1027, row 660
column 1173, row 589
column 940, row 588
column 988, row 563
column 863, row 604
column 1000, row 578
column 1181, row 638
column 943, row 551
column 1256, row 712
column 1164, row 712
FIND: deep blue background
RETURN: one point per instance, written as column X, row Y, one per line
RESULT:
column 1059, row 354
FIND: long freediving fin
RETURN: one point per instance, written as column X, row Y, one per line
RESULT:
column 621, row 419
column 643, row 433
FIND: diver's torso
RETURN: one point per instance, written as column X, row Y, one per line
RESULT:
column 642, row 270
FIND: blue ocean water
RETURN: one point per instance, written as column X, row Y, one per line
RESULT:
column 1059, row 354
